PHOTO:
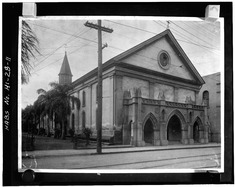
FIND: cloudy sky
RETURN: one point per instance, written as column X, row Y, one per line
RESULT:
column 199, row 39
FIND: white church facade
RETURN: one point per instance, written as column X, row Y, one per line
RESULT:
column 150, row 96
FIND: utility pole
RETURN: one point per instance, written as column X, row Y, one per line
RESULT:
column 99, row 91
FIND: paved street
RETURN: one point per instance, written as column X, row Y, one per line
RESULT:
column 204, row 157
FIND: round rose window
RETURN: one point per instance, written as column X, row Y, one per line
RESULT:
column 164, row 60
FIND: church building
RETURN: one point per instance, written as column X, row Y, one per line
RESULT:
column 150, row 96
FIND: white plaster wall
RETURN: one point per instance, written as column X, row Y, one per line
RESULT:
column 147, row 58
column 131, row 83
column 106, row 105
column 91, row 105
column 94, row 106
column 167, row 90
column 183, row 93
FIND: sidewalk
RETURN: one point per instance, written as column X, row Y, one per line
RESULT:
column 115, row 149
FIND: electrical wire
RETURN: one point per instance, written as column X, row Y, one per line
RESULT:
column 189, row 40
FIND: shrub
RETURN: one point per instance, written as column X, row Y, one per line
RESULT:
column 42, row 131
column 71, row 132
column 57, row 133
column 87, row 132
column 75, row 140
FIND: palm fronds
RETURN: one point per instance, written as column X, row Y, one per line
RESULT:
column 29, row 45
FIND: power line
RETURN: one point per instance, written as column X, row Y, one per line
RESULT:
column 60, row 58
column 206, row 29
column 189, row 40
column 153, row 32
column 199, row 45
column 66, row 33
column 132, row 27
column 198, row 30
column 69, row 40
column 189, row 32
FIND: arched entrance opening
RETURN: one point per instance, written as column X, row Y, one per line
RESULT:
column 196, row 132
column 148, row 132
column 174, row 130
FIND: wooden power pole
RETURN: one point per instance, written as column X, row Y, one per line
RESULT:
column 99, row 91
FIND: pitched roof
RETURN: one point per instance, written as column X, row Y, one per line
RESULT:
column 65, row 68
column 173, row 42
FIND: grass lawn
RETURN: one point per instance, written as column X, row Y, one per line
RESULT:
column 50, row 143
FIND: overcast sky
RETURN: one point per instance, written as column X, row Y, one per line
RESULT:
column 199, row 39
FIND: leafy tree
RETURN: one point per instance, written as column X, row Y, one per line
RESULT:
column 29, row 46
column 27, row 118
column 29, row 122
column 57, row 101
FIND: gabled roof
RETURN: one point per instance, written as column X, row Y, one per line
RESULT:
column 172, row 41
column 65, row 68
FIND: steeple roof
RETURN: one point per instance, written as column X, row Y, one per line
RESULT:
column 65, row 68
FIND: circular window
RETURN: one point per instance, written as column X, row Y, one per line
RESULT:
column 164, row 59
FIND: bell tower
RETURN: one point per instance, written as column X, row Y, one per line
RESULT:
column 65, row 75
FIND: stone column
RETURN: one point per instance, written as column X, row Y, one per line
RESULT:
column 163, row 126
column 184, row 132
column 128, row 123
column 189, row 124
column 137, row 126
column 190, row 133
column 134, row 102
column 156, row 140
column 206, row 129
column 140, row 141
column 163, row 134
column 201, row 135
column 203, row 131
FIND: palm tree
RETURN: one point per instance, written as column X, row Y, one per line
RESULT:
column 57, row 102
column 29, row 46
column 44, row 100
column 39, row 110
column 60, row 103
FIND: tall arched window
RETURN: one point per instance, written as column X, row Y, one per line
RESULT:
column 72, row 104
column 83, row 98
column 205, row 97
column 73, row 121
column 83, row 119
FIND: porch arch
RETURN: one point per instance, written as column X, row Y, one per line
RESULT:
column 197, row 132
column 176, row 128
column 150, row 116
column 199, row 121
column 151, row 130
column 179, row 115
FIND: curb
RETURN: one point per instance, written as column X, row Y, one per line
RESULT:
column 157, row 149
column 119, row 152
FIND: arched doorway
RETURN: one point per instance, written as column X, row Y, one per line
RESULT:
column 148, row 132
column 196, row 132
column 174, row 130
